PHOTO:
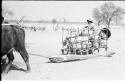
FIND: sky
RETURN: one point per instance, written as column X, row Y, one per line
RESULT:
column 77, row 11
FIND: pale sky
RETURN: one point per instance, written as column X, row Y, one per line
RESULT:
column 47, row 10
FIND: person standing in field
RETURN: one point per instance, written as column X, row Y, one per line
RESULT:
column 93, row 31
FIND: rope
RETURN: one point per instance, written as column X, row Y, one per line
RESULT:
column 10, row 50
column 39, row 55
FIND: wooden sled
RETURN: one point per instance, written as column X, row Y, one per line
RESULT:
column 72, row 57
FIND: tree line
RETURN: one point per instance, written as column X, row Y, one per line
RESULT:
column 106, row 14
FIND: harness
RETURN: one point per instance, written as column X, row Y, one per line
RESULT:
column 10, row 50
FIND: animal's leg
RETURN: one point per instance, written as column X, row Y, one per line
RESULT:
column 11, row 58
column 25, row 57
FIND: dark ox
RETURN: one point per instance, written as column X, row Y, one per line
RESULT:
column 13, row 37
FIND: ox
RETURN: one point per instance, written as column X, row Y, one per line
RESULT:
column 13, row 37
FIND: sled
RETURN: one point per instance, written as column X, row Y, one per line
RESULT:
column 71, row 57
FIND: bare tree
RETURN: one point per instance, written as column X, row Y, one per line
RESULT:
column 97, row 15
column 108, row 13
column 118, row 20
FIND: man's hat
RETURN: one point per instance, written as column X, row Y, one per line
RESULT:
column 88, row 21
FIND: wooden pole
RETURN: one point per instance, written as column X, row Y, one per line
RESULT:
column 62, row 37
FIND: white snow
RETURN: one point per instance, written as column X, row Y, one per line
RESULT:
column 48, row 43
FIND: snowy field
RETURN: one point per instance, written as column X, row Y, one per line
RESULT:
column 48, row 43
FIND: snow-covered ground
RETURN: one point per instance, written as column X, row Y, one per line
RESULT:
column 48, row 43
